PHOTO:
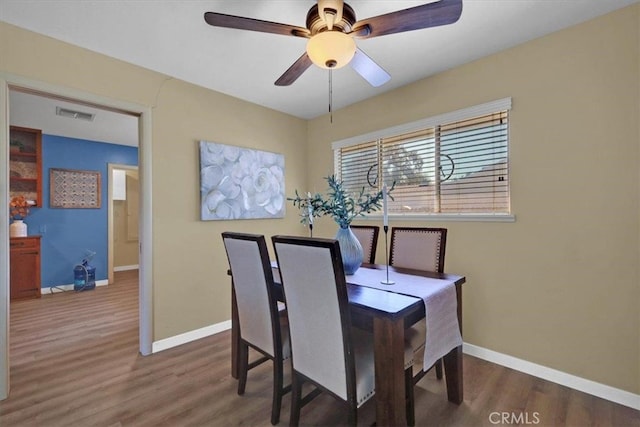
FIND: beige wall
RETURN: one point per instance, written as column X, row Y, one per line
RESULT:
column 125, row 224
column 125, row 250
column 638, row 190
column 188, row 254
column 560, row 286
column 190, row 287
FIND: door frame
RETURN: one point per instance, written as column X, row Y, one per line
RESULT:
column 145, row 305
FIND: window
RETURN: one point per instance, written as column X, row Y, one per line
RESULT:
column 453, row 164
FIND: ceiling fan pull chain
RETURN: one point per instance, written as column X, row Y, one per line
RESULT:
column 330, row 95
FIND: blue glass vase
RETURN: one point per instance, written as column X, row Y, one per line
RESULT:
column 350, row 249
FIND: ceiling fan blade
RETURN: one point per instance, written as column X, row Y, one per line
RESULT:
column 428, row 15
column 295, row 71
column 368, row 69
column 242, row 23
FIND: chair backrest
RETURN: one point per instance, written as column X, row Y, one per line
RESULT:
column 418, row 248
column 368, row 237
column 252, row 282
column 316, row 295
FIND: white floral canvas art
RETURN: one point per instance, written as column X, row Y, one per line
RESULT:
column 240, row 183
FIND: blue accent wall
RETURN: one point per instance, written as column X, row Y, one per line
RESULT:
column 68, row 234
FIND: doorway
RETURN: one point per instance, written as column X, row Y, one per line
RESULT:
column 9, row 83
column 123, row 227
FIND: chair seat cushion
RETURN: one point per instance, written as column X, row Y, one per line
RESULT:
column 415, row 339
column 415, row 335
column 284, row 335
column 365, row 368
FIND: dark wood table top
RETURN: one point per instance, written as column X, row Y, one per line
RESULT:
column 377, row 302
column 369, row 302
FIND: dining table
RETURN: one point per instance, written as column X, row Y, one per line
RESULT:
column 387, row 314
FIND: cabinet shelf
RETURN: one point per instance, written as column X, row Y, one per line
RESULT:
column 19, row 179
column 21, row 156
column 25, row 166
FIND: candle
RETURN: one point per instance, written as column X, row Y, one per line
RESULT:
column 385, row 215
column 310, row 209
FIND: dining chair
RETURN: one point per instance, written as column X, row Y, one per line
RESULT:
column 326, row 351
column 419, row 248
column 262, row 326
column 368, row 237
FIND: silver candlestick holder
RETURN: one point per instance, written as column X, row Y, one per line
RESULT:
column 386, row 254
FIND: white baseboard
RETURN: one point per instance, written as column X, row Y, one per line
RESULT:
column 197, row 334
column 126, row 267
column 63, row 288
column 577, row 383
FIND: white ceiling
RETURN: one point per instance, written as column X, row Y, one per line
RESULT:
column 171, row 37
column 33, row 111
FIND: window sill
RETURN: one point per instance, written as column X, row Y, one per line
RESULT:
column 444, row 217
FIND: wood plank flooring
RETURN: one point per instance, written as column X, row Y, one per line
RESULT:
column 75, row 362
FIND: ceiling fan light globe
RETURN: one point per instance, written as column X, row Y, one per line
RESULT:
column 331, row 49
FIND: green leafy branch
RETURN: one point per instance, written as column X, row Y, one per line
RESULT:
column 339, row 204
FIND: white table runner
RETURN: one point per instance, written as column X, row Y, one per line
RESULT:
column 440, row 301
column 441, row 306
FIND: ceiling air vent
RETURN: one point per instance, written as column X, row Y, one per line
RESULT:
column 73, row 114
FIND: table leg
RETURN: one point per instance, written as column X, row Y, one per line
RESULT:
column 235, row 336
column 388, row 335
column 453, row 375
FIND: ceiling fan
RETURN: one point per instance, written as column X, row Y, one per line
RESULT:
column 332, row 29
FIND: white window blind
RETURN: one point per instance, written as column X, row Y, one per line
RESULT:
column 451, row 164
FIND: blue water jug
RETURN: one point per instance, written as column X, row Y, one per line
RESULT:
column 84, row 277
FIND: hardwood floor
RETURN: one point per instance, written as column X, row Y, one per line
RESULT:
column 75, row 362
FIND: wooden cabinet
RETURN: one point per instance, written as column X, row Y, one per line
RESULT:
column 25, row 163
column 25, row 267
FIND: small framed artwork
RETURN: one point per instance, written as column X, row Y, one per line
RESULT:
column 74, row 189
column 240, row 183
